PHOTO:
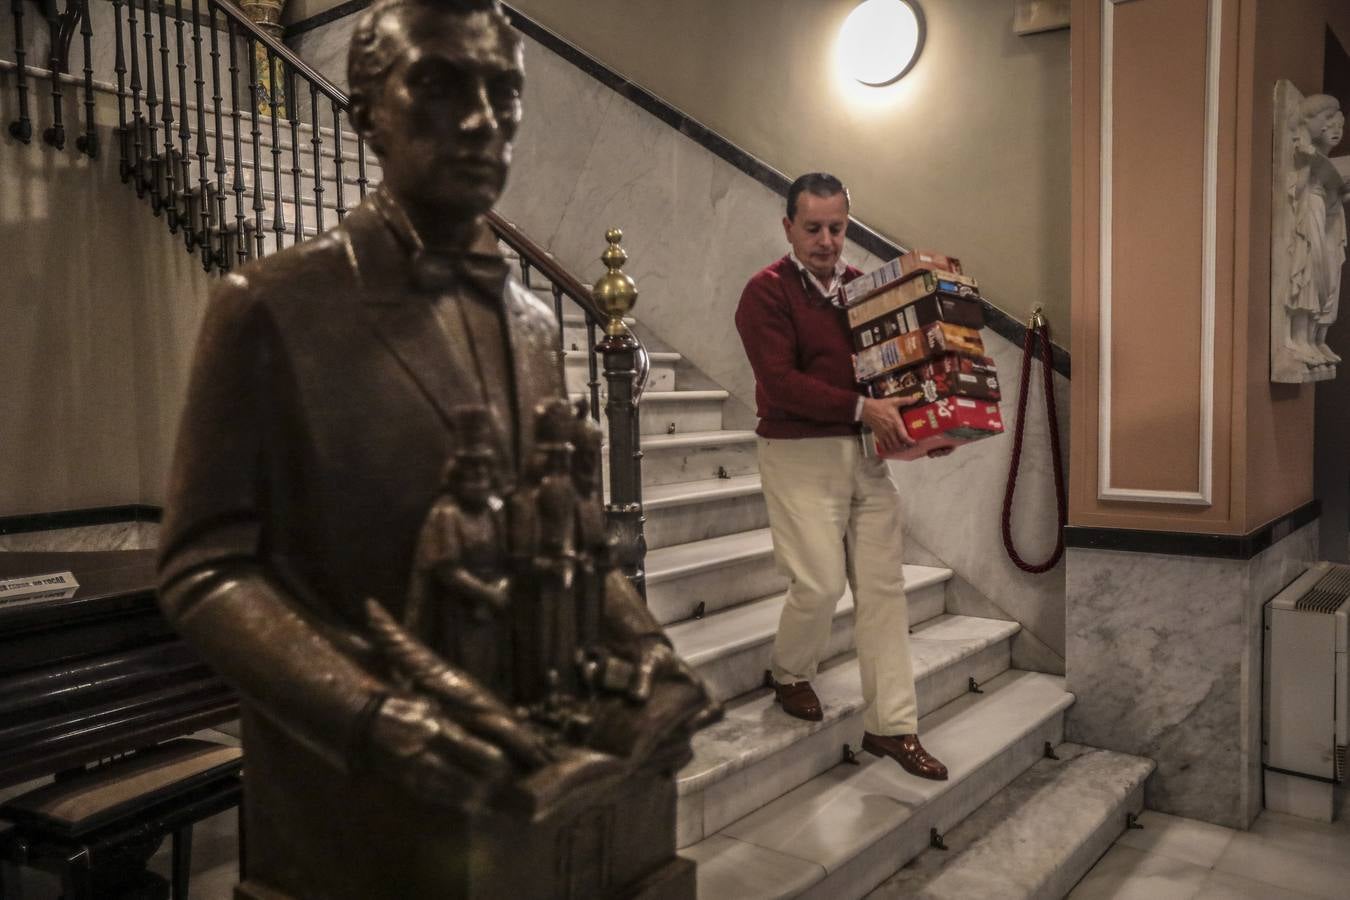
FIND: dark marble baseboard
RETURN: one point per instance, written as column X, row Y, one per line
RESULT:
column 77, row 518
column 1179, row 543
column 1003, row 324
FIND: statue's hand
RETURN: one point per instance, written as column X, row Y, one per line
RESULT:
column 432, row 757
column 656, row 661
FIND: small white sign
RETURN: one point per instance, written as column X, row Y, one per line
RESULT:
column 57, row 585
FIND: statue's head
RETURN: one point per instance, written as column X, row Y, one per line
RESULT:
column 435, row 88
column 1321, row 115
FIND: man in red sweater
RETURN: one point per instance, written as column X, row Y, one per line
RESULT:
column 833, row 512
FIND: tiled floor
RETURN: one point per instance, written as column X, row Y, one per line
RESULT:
column 1181, row 859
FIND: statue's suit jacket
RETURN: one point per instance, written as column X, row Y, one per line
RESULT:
column 317, row 423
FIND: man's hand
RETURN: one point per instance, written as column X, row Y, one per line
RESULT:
column 432, row 757
column 883, row 417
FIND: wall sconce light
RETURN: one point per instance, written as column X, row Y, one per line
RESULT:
column 881, row 40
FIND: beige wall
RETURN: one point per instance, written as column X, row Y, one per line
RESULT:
column 1262, row 433
column 99, row 306
column 968, row 153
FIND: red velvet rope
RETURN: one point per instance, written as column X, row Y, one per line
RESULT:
column 1039, row 328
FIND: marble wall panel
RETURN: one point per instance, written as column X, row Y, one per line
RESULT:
column 1164, row 660
column 953, row 506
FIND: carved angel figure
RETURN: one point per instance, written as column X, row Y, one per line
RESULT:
column 1316, row 192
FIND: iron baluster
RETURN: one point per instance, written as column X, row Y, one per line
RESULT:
column 21, row 128
column 255, row 97
column 184, row 130
column 133, row 39
column 279, row 213
column 593, row 365
column 120, row 67
column 151, row 102
column 241, row 249
column 203, row 153
column 557, row 309
column 220, row 245
column 170, row 164
column 55, row 134
column 294, row 116
column 361, row 165
column 317, row 142
column 337, row 159
column 87, row 143
column 211, row 212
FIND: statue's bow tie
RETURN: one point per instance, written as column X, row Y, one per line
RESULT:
column 438, row 272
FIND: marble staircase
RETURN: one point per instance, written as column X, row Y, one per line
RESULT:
column 772, row 806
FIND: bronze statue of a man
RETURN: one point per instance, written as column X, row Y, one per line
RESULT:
column 319, row 418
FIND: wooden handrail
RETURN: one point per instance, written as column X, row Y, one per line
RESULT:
column 541, row 259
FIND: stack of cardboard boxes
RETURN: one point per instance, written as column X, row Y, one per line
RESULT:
column 916, row 331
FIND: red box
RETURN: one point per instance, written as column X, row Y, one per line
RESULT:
column 955, row 417
column 916, row 386
column 929, row 446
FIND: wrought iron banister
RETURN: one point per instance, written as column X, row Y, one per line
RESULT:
column 187, row 99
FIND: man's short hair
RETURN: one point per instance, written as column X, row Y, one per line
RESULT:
column 374, row 50
column 821, row 184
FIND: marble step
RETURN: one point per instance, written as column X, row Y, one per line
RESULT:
column 758, row 752
column 731, row 648
column 719, row 572
column 673, row 412
column 698, row 510
column 576, row 369
column 574, row 330
column 697, row 455
column 845, row 831
column 1035, row 838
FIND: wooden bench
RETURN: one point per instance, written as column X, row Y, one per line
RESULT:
column 95, row 828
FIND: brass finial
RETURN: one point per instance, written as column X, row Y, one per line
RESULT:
column 1037, row 319
column 615, row 292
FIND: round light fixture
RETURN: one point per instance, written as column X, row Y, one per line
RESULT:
column 880, row 40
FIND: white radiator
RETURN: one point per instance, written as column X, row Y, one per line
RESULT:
column 1307, row 677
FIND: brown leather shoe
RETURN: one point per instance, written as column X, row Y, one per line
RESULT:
column 798, row 699
column 908, row 752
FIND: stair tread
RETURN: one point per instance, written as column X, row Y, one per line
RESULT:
column 577, row 318
column 681, row 559
column 837, row 815
column 754, row 728
column 696, row 439
column 685, row 396
column 655, row 356
column 747, row 624
column 665, row 496
column 1055, row 806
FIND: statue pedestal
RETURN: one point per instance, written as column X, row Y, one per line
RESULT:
column 312, row 832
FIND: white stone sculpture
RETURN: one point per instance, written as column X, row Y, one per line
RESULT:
column 1308, row 235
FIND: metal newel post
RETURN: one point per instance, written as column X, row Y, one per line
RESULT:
column 615, row 294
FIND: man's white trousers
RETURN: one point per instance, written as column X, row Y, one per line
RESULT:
column 835, row 519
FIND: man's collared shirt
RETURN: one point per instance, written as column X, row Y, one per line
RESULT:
column 834, row 291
